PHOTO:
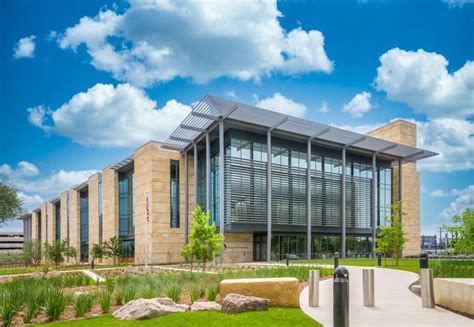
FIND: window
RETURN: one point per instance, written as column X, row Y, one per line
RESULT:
column 174, row 193
column 84, row 226
column 39, row 225
column 100, row 212
column 57, row 207
column 126, row 211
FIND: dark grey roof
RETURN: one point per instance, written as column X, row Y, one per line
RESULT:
column 211, row 109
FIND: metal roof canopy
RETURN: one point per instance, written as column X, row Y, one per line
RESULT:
column 212, row 109
column 123, row 163
column 81, row 186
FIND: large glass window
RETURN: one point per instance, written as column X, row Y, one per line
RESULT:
column 125, row 185
column 100, row 212
column 384, row 198
column 57, row 212
column 84, row 225
column 39, row 225
column 174, row 193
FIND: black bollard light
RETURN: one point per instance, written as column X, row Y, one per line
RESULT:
column 93, row 264
column 379, row 259
column 341, row 297
column 336, row 260
column 424, row 261
column 287, row 259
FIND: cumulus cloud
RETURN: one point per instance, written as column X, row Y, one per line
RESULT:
column 457, row 3
column 282, row 104
column 23, row 169
column 157, row 41
column 451, row 138
column 109, row 116
column 359, row 105
column 421, row 80
column 465, row 199
column 30, row 202
column 25, row 48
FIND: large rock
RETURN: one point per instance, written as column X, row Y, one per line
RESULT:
column 148, row 308
column 205, row 306
column 455, row 293
column 235, row 303
column 282, row 292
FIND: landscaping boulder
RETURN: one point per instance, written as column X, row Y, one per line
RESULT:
column 235, row 303
column 148, row 308
column 163, row 300
column 205, row 306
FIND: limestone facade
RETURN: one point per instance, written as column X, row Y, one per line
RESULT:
column 44, row 223
column 404, row 132
column 51, row 222
column 64, row 215
column 74, row 219
column 93, row 186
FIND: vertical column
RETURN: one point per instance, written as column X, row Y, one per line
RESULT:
column 308, row 201
column 343, row 204
column 208, row 172
column 400, row 189
column 221, row 182
column 195, row 175
column 186, row 199
column 374, row 201
column 269, row 195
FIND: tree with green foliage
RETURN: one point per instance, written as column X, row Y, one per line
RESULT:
column 55, row 252
column 391, row 239
column 31, row 253
column 70, row 252
column 113, row 248
column 464, row 231
column 97, row 252
column 205, row 244
column 10, row 204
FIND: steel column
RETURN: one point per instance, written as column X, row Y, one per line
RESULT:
column 186, row 199
column 343, row 204
column 195, row 175
column 374, row 201
column 221, row 182
column 308, row 201
column 269, row 195
column 400, row 189
column 208, row 172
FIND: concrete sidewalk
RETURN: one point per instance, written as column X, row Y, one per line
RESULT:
column 395, row 304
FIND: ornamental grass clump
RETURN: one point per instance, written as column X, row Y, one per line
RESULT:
column 129, row 293
column 212, row 293
column 173, row 291
column 83, row 303
column 34, row 303
column 12, row 300
column 55, row 302
column 105, row 299
column 195, row 294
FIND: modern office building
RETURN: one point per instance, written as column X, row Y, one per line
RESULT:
column 330, row 188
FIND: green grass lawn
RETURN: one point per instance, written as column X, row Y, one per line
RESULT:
column 272, row 317
column 412, row 265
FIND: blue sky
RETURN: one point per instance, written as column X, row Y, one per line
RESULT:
column 84, row 83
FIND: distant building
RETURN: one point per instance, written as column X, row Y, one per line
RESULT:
column 428, row 242
column 11, row 241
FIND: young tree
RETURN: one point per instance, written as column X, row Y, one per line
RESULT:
column 113, row 248
column 464, row 231
column 97, row 252
column 205, row 244
column 10, row 204
column 55, row 252
column 70, row 252
column 391, row 239
column 31, row 253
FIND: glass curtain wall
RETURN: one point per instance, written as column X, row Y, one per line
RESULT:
column 384, row 197
column 39, row 225
column 57, row 215
column 127, row 213
column 174, row 193
column 101, row 227
column 84, row 226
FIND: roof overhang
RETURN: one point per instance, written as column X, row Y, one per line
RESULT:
column 212, row 109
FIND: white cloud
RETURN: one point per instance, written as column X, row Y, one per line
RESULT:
column 157, row 41
column 231, row 94
column 51, row 186
column 359, row 105
column 25, row 48
column 457, row 3
column 325, row 107
column 451, row 138
column 30, row 202
column 438, row 194
column 465, row 199
column 282, row 104
column 421, row 80
column 109, row 116
column 24, row 169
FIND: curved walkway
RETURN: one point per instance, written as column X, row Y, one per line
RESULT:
column 395, row 304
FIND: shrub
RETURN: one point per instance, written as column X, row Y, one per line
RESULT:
column 55, row 302
column 195, row 294
column 129, row 294
column 12, row 299
column 455, row 268
column 83, row 303
column 109, row 285
column 105, row 300
column 212, row 293
column 173, row 291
